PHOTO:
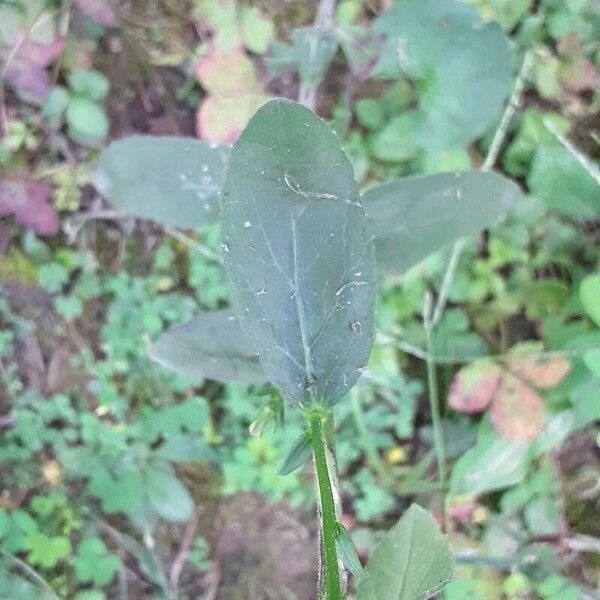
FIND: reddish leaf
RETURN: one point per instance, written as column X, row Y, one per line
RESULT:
column 26, row 71
column 28, row 200
column 99, row 11
column 517, row 411
column 474, row 386
column 542, row 373
column 226, row 73
column 221, row 120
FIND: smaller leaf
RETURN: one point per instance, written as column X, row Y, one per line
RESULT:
column 542, row 373
column 257, row 30
column 347, row 552
column 589, row 292
column 297, row 455
column 517, row 410
column 87, row 121
column 557, row 178
column 474, row 386
column 412, row 217
column 166, row 494
column 314, row 50
column 26, row 72
column 29, row 201
column 411, row 562
column 172, row 180
column 211, row 346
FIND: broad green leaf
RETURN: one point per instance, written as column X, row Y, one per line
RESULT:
column 492, row 464
column 563, row 184
column 589, row 292
column 412, row 217
column 171, row 180
column 297, row 254
column 210, row 346
column 411, row 562
column 461, row 65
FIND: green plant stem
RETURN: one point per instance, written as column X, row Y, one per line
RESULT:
column 432, row 385
column 330, row 586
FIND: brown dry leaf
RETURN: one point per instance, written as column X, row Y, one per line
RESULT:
column 29, row 201
column 474, row 386
column 517, row 410
column 100, row 11
column 543, row 373
column 26, row 72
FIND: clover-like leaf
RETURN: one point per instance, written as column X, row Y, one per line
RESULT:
column 297, row 254
column 474, row 386
column 517, row 410
column 412, row 217
column 171, row 180
column 412, row 561
column 211, row 346
column 462, row 66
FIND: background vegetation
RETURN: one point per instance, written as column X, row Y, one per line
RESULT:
column 120, row 479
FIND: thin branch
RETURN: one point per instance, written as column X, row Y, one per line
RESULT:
column 182, row 555
column 511, row 108
column 447, row 282
column 583, row 160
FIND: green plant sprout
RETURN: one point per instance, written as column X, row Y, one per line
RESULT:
column 299, row 245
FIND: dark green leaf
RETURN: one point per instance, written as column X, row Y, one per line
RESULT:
column 210, row 346
column 347, row 552
column 171, row 180
column 411, row 562
column 297, row 255
column 462, row 66
column 412, row 217
column 297, row 455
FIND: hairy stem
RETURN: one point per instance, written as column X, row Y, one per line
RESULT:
column 330, row 585
column 324, row 20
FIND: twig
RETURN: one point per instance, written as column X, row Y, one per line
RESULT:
column 184, row 550
column 31, row 572
column 511, row 108
column 583, row 160
column 324, row 20
column 389, row 339
column 447, row 282
column 193, row 245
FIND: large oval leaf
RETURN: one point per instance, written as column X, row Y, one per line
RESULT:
column 210, row 346
column 412, row 561
column 463, row 67
column 298, row 258
column 172, row 180
column 412, row 217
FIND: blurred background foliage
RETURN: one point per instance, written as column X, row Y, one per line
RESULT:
column 120, row 479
